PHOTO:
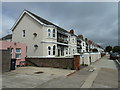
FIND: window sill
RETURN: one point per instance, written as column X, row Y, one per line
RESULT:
column 52, row 38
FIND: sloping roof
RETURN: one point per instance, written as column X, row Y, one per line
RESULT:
column 39, row 19
column 9, row 36
column 46, row 22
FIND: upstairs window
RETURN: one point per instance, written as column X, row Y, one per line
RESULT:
column 23, row 33
column 69, row 38
column 53, row 32
column 73, row 40
column 54, row 50
column 49, row 31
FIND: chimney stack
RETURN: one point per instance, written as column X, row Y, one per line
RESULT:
column 80, row 36
column 72, row 31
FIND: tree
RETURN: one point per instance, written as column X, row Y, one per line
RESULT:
column 116, row 49
column 95, row 50
column 108, row 48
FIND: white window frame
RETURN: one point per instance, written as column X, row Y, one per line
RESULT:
column 69, row 38
column 49, row 33
column 54, row 33
column 54, row 49
column 19, row 53
column 73, row 51
column 66, row 51
column 49, row 50
column 83, row 44
column 23, row 33
column 69, row 51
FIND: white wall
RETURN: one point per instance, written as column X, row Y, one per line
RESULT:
column 85, row 58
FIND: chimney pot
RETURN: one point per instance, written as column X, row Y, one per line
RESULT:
column 72, row 31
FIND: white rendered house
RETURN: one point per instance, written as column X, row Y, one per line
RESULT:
column 43, row 38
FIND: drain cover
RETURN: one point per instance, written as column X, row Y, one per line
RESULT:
column 38, row 72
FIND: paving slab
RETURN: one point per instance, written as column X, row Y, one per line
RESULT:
column 107, row 78
column 26, row 77
column 75, row 80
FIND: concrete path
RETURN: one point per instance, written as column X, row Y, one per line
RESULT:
column 101, row 74
column 27, row 77
column 89, row 81
column 74, row 81
column 107, row 74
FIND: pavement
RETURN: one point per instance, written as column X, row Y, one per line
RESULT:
column 30, row 77
column 108, row 75
column 100, row 74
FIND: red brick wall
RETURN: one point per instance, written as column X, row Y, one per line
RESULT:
column 76, row 62
column 66, row 63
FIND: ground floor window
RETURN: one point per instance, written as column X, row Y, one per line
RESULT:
column 18, row 55
column 73, row 51
column 54, row 50
column 83, row 50
column 18, row 52
column 66, row 51
column 49, row 50
column 69, row 50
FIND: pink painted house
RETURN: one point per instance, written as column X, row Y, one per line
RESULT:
column 18, row 50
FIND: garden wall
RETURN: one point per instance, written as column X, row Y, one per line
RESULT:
column 56, row 62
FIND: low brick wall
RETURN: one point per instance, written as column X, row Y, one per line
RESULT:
column 56, row 62
column 66, row 63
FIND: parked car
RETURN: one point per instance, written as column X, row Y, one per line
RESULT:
column 114, row 55
column 23, row 63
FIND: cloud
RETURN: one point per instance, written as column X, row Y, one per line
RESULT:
column 7, row 23
column 96, row 21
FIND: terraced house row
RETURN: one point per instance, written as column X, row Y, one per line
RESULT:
column 45, row 39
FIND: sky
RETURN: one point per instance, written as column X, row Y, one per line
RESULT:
column 97, row 21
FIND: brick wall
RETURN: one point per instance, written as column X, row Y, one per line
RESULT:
column 65, row 63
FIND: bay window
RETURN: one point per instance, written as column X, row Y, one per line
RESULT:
column 54, row 33
column 49, row 32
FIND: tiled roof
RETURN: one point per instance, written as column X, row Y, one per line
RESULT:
column 46, row 22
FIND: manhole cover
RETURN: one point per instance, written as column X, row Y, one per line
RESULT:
column 38, row 72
